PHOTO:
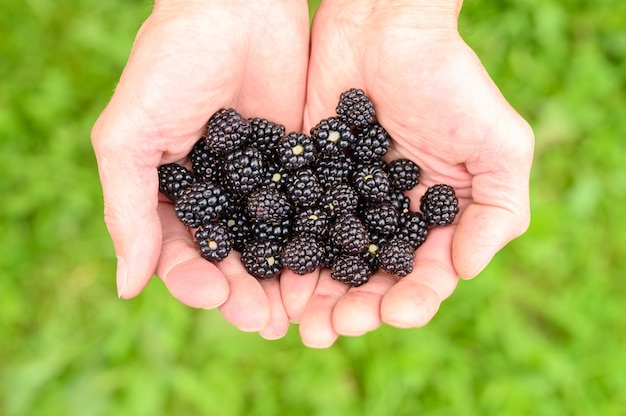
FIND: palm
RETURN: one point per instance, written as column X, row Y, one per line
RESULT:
column 181, row 70
column 443, row 112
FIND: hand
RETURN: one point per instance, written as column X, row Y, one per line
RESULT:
column 438, row 103
column 190, row 59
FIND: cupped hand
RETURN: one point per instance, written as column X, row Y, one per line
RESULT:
column 444, row 112
column 190, row 59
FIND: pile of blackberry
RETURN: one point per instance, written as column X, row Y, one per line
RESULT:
column 305, row 201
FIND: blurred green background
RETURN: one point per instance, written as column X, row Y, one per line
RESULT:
column 540, row 332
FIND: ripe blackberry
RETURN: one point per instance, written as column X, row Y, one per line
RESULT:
column 311, row 221
column 396, row 256
column 262, row 259
column 200, row 203
column 371, row 183
column 381, row 218
column 214, row 241
column 302, row 254
column 403, row 173
column 296, row 150
column 331, row 252
column 399, row 201
column 240, row 225
column 355, row 107
column 412, row 229
column 278, row 231
column 226, row 130
column 439, row 205
column 369, row 255
column 303, row 188
column 173, row 179
column 244, row 170
column 351, row 270
column 264, row 135
column 206, row 164
column 332, row 135
column 372, row 143
column 350, row 234
column 276, row 176
column 341, row 199
column 332, row 169
column 268, row 204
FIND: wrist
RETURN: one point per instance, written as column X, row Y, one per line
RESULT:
column 427, row 15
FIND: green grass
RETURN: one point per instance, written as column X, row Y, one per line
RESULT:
column 540, row 331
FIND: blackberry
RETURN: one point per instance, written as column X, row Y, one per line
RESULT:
column 206, row 164
column 340, row 199
column 351, row 270
column 226, row 130
column 303, row 188
column 331, row 252
column 264, row 135
column 371, row 183
column 439, row 205
column 350, row 234
column 200, row 203
column 332, row 135
column 271, row 231
column 296, row 150
column 214, row 241
column 372, row 143
column 312, row 221
column 268, row 204
column 262, row 259
column 276, row 176
column 302, row 254
column 399, row 201
column 413, row 229
column 381, row 218
column 334, row 169
column 173, row 179
column 403, row 173
column 355, row 107
column 239, row 224
column 369, row 255
column 244, row 170
column 396, row 256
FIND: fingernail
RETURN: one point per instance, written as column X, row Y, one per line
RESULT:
column 121, row 276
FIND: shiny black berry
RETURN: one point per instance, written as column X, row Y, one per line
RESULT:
column 355, row 107
column 262, row 259
column 226, row 130
column 439, row 205
column 403, row 173
column 303, row 254
column 200, row 203
column 396, row 257
column 174, row 179
column 213, row 240
column 332, row 135
column 296, row 150
column 351, row 270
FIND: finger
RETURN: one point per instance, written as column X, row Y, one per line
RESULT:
column 358, row 311
column 130, row 204
column 316, row 326
column 500, row 210
column 247, row 306
column 279, row 322
column 415, row 299
column 189, row 278
column 296, row 291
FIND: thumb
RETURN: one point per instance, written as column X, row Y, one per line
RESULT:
column 500, row 210
column 130, row 189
